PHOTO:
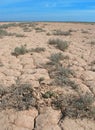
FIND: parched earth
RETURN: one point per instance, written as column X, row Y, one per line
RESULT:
column 39, row 92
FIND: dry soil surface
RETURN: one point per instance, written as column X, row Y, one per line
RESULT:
column 34, row 109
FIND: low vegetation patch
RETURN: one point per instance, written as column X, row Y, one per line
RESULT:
column 38, row 29
column 20, row 50
column 60, row 44
column 27, row 29
column 55, row 58
column 61, row 77
column 5, row 26
column 18, row 97
column 38, row 49
column 23, row 50
column 60, row 74
column 59, row 32
column 5, row 33
column 76, row 106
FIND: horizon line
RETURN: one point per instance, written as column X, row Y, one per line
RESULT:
column 48, row 21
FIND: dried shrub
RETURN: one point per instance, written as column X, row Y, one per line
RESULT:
column 38, row 49
column 59, row 32
column 60, row 44
column 60, row 74
column 76, row 106
column 18, row 97
column 20, row 50
column 38, row 29
column 55, row 58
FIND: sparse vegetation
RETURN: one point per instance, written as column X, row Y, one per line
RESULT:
column 59, row 32
column 55, row 58
column 4, row 33
column 76, row 106
column 23, row 50
column 60, row 74
column 5, row 26
column 26, row 29
column 55, row 82
column 53, row 41
column 38, row 49
column 18, row 97
column 20, row 50
column 38, row 29
column 62, row 77
column 23, row 25
column 60, row 44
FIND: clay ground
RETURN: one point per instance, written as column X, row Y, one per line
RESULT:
column 39, row 104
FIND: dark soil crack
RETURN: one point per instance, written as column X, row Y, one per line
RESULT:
column 35, row 120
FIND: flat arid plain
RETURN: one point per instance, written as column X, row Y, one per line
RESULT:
column 47, row 76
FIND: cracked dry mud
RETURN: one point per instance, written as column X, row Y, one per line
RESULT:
column 32, row 109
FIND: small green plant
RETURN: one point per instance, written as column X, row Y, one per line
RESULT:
column 20, row 50
column 48, row 94
column 41, row 79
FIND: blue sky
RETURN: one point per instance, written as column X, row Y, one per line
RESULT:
column 47, row 10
